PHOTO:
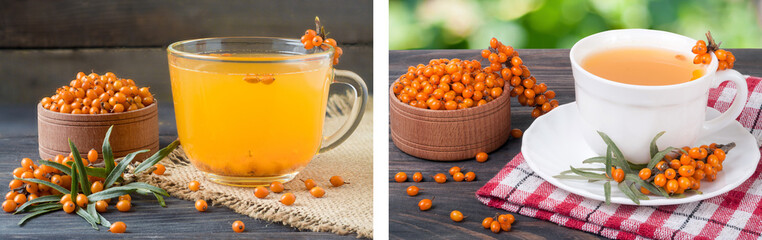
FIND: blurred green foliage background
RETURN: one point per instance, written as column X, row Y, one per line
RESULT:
column 463, row 24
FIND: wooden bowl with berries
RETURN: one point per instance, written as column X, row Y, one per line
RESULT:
column 452, row 109
column 84, row 110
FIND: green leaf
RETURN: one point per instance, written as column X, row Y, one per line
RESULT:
column 637, row 192
column 119, row 169
column 43, row 199
column 103, row 220
column 651, row 188
column 620, row 162
column 158, row 156
column 160, row 199
column 627, row 191
column 111, row 193
column 63, row 168
column 74, row 184
column 654, row 148
column 43, row 206
column 83, row 182
column 37, row 213
column 589, row 175
column 607, row 191
column 146, row 186
column 658, row 157
column 586, row 169
column 96, row 172
column 108, row 154
column 93, row 213
column 600, row 159
column 46, row 183
column 608, row 161
column 87, row 217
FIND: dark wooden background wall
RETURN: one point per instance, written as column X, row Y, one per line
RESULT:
column 43, row 44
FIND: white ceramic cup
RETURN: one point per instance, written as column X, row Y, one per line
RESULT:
column 633, row 114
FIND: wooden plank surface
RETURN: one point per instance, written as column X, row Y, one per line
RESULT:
column 146, row 23
column 180, row 220
column 407, row 222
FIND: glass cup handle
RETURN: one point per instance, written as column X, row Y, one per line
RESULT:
column 738, row 104
column 360, row 90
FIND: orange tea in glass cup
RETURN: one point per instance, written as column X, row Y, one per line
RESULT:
column 250, row 110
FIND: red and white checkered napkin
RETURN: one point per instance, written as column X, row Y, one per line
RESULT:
column 733, row 215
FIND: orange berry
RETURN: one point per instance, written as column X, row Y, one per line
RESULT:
column 159, row 169
column 238, row 226
column 424, row 204
column 670, row 173
column 9, row 206
column 118, row 227
column 69, row 206
column 201, row 205
column 194, row 185
column 672, row 186
column 123, row 205
column 481, row 157
column 440, row 178
column 317, row 192
column 618, row 175
column 686, row 171
column 644, row 173
column 417, row 177
column 288, row 199
column 261, row 192
column 400, row 177
column 276, row 187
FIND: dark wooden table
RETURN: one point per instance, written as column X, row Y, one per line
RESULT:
column 179, row 220
column 406, row 221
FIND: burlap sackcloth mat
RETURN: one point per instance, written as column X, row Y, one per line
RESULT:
column 343, row 210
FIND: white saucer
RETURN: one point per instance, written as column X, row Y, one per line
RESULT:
column 554, row 142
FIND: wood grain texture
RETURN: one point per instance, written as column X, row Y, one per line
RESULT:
column 147, row 219
column 28, row 75
column 407, row 222
column 146, row 23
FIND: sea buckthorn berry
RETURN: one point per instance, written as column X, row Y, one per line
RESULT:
column 495, row 227
column 699, row 174
column 81, row 200
column 695, row 153
column 684, row 183
column 400, row 177
column 201, row 205
column 505, row 227
column 101, row 206
column 686, row 171
column 15, row 183
column 125, row 197
column 123, row 205
column 417, row 177
column 69, row 206
column 288, row 199
column 458, row 177
column 675, row 164
column 454, row 170
column 660, row 180
column 644, row 190
column 487, row 222
column 276, row 187
column 440, row 178
column 695, row 185
column 309, row 184
column 317, row 192
column 10, row 195
column 118, row 227
column 18, row 171
column 456, row 216
column 194, row 185
column 97, row 186
column 720, row 154
column 159, row 169
column 337, row 181
column 670, row 173
column 685, row 159
column 261, row 192
column 481, row 157
column 238, row 226
column 412, row 190
column 470, row 176
column 617, row 174
column 9, row 206
column 424, row 204
column 672, row 186
column 644, row 173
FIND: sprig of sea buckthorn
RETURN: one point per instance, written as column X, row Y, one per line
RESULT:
column 505, row 60
column 702, row 51
column 314, row 38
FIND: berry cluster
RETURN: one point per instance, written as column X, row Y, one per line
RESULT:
column 312, row 39
column 505, row 60
column 503, row 223
column 702, row 51
column 98, row 94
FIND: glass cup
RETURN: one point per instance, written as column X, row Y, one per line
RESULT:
column 250, row 110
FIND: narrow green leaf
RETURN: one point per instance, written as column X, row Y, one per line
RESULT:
column 160, row 199
column 149, row 187
column 87, row 217
column 637, row 192
column 63, row 168
column 608, row 161
column 74, row 184
column 103, row 220
column 46, row 183
column 654, row 148
column 586, row 169
column 600, row 159
column 108, row 154
column 589, row 175
column 43, row 206
column 96, row 172
column 38, row 213
column 83, row 181
column 43, row 199
column 651, row 188
column 607, row 191
column 119, row 169
column 619, row 157
column 627, row 191
column 158, row 156
column 111, row 193
column 658, row 157
column 93, row 213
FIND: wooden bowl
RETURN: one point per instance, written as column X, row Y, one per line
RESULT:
column 450, row 135
column 133, row 131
